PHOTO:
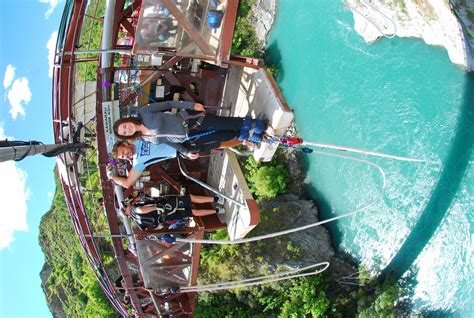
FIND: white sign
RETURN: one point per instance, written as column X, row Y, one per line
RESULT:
column 110, row 113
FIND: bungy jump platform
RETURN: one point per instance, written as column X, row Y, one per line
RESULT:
column 247, row 92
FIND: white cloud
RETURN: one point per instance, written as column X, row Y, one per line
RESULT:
column 9, row 76
column 2, row 133
column 50, row 195
column 52, row 6
column 51, row 46
column 13, row 197
column 19, row 95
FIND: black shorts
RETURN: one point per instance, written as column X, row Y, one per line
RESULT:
column 225, row 128
column 182, row 208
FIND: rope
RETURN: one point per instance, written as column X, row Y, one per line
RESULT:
column 30, row 145
column 257, row 278
column 206, row 133
column 301, row 228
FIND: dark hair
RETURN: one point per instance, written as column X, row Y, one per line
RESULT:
column 118, row 282
column 117, row 145
column 132, row 120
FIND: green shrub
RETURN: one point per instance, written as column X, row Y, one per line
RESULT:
column 266, row 180
column 305, row 299
column 273, row 70
column 302, row 297
column 245, row 40
column 470, row 16
column 270, row 181
column 381, row 302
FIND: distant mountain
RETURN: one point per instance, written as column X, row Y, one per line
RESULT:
column 70, row 287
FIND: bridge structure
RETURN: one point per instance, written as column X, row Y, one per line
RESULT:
column 111, row 57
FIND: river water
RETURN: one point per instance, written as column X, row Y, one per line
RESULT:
column 397, row 96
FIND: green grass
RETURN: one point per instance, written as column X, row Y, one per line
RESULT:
column 90, row 39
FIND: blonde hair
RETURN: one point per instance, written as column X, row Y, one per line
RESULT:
column 117, row 145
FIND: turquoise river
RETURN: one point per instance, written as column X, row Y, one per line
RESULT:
column 397, row 96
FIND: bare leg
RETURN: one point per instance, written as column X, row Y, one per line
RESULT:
column 201, row 199
column 203, row 212
column 230, row 143
column 145, row 209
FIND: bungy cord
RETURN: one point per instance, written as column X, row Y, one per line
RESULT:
column 293, row 273
column 304, row 227
column 208, row 187
column 362, row 151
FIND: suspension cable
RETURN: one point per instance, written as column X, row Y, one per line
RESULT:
column 258, row 280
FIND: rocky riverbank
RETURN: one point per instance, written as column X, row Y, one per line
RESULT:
column 445, row 23
column 448, row 23
column 263, row 16
column 295, row 210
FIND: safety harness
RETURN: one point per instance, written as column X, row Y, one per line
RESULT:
column 252, row 129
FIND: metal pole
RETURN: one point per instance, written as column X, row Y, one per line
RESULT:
column 120, row 198
column 106, row 43
column 208, row 187
column 120, row 51
column 16, row 152
column 157, row 306
column 108, row 235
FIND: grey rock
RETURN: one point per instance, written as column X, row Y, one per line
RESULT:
column 54, row 302
column 264, row 15
column 315, row 242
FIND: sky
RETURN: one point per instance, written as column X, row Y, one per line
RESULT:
column 28, row 30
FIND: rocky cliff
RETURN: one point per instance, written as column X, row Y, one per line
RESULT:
column 263, row 16
column 53, row 300
column 437, row 22
column 295, row 210
column 447, row 23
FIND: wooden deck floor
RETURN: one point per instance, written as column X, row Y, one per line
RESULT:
column 249, row 92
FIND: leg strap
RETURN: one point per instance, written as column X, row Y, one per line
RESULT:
column 244, row 132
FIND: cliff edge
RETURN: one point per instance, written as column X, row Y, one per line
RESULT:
column 445, row 23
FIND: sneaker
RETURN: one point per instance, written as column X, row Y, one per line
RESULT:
column 220, row 210
column 252, row 146
column 269, row 130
